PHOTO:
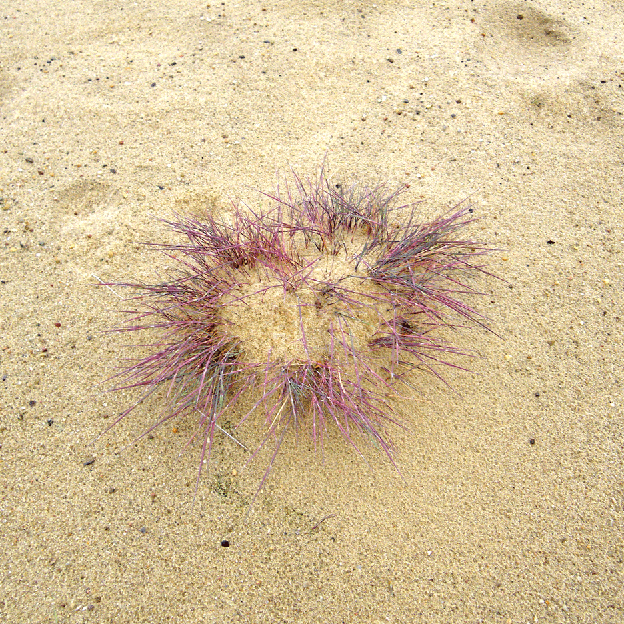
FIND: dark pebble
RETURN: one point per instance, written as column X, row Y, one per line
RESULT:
column 225, row 543
column 50, row 422
column 32, row 403
column 532, row 441
column 88, row 462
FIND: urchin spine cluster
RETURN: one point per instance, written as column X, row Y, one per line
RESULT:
column 319, row 306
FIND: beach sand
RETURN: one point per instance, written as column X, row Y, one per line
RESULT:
column 509, row 507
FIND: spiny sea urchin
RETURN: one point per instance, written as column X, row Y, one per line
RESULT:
column 319, row 306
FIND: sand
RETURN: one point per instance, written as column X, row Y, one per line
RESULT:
column 509, row 507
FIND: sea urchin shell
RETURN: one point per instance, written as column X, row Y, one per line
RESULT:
column 319, row 306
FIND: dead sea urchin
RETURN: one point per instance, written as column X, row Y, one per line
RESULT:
column 316, row 308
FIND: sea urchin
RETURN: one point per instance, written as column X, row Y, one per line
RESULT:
column 315, row 308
